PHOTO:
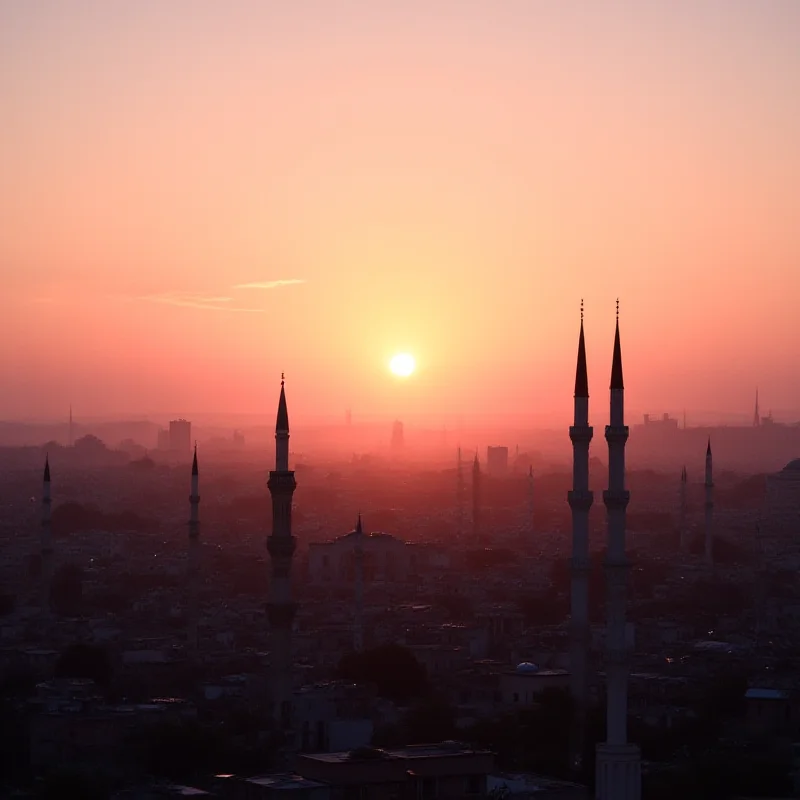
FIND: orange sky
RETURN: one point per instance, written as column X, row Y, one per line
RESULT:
column 447, row 177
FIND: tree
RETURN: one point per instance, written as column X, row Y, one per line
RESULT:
column 393, row 669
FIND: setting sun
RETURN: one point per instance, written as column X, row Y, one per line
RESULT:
column 402, row 365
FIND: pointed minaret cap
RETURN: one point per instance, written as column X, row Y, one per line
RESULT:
column 616, row 364
column 708, row 447
column 194, row 460
column 282, row 424
column 47, row 469
column 581, row 376
column 683, row 475
column 359, row 529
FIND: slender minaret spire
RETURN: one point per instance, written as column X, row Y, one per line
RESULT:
column 460, row 491
column 281, row 546
column 684, row 533
column 580, row 502
column 476, row 499
column 530, row 498
column 756, row 413
column 46, row 543
column 358, row 616
column 618, row 762
column 709, row 507
column 193, row 576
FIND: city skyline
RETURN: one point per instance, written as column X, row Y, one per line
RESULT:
column 198, row 198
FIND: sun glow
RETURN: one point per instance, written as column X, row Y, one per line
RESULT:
column 402, row 365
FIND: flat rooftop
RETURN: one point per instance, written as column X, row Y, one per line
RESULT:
column 416, row 751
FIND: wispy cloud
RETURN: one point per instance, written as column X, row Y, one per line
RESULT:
column 270, row 284
column 209, row 302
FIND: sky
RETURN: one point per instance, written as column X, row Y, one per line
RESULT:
column 197, row 196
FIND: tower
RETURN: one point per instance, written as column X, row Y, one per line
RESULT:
column 756, row 413
column 530, row 497
column 618, row 775
column 684, row 533
column 281, row 546
column 459, row 498
column 358, row 616
column 46, row 543
column 580, row 502
column 194, row 557
column 709, row 507
column 476, row 499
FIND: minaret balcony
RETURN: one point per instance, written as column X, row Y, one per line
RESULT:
column 581, row 433
column 616, row 499
column 580, row 499
column 617, row 434
column 281, row 482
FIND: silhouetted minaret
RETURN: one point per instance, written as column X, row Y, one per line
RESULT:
column 756, row 413
column 281, row 546
column 684, row 533
column 358, row 616
column 460, row 492
column 709, row 507
column 618, row 775
column 580, row 501
column 530, row 497
column 476, row 498
column 46, row 542
column 194, row 558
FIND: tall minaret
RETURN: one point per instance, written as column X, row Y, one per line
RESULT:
column 46, row 543
column 194, row 557
column 709, row 507
column 459, row 498
column 476, row 499
column 580, row 501
column 618, row 775
column 358, row 616
column 684, row 533
column 530, row 496
column 756, row 413
column 281, row 546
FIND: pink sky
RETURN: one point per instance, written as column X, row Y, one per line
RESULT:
column 446, row 177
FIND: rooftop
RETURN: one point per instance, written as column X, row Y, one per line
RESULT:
column 416, row 751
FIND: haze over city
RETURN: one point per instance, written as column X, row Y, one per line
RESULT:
column 197, row 196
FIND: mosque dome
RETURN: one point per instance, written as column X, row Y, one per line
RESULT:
column 792, row 466
column 526, row 668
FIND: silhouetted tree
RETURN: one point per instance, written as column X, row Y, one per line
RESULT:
column 82, row 660
column 391, row 668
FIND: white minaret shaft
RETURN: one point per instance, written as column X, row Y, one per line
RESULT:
column 580, row 502
column 46, row 542
column 709, row 507
column 281, row 546
column 358, row 616
column 618, row 763
column 684, row 533
column 193, row 576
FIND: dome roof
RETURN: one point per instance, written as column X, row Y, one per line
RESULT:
column 527, row 668
column 792, row 466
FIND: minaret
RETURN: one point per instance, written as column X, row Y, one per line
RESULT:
column 709, row 507
column 530, row 497
column 358, row 616
column 46, row 543
column 459, row 498
column 580, row 502
column 684, row 533
column 476, row 499
column 193, row 566
column 618, row 775
column 281, row 546
column 756, row 413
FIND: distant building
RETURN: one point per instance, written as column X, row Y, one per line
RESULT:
column 666, row 421
column 497, row 460
column 398, row 439
column 180, row 436
column 162, row 442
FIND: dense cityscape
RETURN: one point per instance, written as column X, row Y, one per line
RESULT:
column 440, row 626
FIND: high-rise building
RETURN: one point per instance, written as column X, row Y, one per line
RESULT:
column 497, row 460
column 180, row 436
